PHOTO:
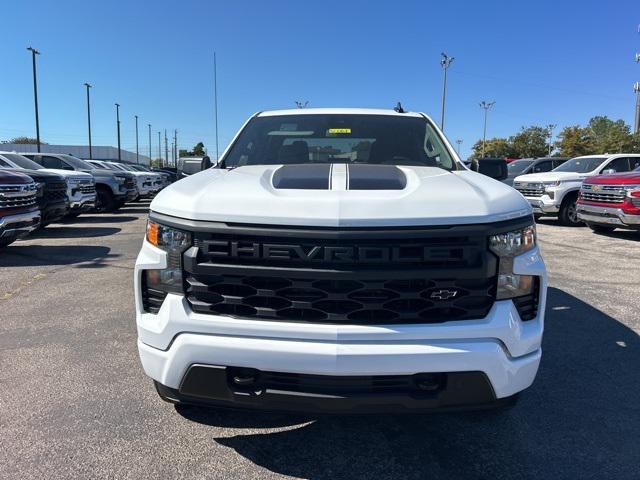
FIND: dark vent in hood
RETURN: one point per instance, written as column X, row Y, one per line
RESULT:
column 308, row 177
column 376, row 177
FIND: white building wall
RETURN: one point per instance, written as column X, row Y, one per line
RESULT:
column 80, row 151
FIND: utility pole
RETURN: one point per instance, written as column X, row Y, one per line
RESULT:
column 550, row 128
column 34, row 52
column 149, row 143
column 89, row 120
column 459, row 141
column 118, row 128
column 445, row 63
column 636, row 88
column 215, row 98
column 175, row 146
column 160, row 151
column 486, row 106
column 137, row 150
column 166, row 148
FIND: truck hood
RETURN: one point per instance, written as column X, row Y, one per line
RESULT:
column 68, row 174
column 553, row 176
column 428, row 196
column 628, row 178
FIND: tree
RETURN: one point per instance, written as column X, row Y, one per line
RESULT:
column 575, row 140
column 25, row 141
column 198, row 150
column 610, row 136
column 530, row 142
column 495, row 147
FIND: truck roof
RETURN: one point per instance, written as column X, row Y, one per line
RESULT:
column 338, row 111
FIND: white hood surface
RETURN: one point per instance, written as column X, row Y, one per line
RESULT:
column 69, row 173
column 552, row 177
column 431, row 196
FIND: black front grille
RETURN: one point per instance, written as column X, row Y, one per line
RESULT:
column 413, row 276
column 55, row 192
column 18, row 196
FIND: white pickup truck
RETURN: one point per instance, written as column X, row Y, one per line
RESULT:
column 340, row 260
column 556, row 192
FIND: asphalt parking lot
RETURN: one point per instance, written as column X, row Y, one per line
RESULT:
column 76, row 404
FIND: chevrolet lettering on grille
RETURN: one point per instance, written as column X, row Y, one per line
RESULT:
column 332, row 254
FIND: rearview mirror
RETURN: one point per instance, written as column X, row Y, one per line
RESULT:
column 206, row 163
column 609, row 171
column 495, row 168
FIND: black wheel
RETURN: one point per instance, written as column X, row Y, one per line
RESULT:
column 568, row 215
column 601, row 228
column 6, row 241
column 73, row 214
column 104, row 200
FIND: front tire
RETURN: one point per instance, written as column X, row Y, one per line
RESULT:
column 104, row 200
column 568, row 215
column 7, row 241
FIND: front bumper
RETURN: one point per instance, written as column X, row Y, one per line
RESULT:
column 19, row 224
column 543, row 205
column 608, row 216
column 54, row 211
column 502, row 347
column 127, row 196
column 82, row 202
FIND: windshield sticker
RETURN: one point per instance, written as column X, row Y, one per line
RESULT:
column 339, row 131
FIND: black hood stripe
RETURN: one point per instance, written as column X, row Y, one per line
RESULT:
column 359, row 177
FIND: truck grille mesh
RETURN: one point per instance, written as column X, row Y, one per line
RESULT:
column 455, row 279
column 529, row 189
column 18, row 196
column 603, row 193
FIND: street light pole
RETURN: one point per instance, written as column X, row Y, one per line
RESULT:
column 459, row 141
column 149, row 143
column 486, row 106
column 137, row 150
column 160, row 150
column 118, row 128
column 550, row 128
column 445, row 62
column 89, row 120
column 166, row 148
column 34, row 52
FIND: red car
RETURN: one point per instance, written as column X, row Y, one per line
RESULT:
column 612, row 201
column 19, row 213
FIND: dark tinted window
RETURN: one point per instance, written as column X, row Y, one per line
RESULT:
column 634, row 162
column 337, row 138
column 52, row 162
column 5, row 164
column 544, row 166
column 557, row 163
column 518, row 166
column 619, row 165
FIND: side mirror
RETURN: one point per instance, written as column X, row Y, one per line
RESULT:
column 206, row 163
column 495, row 168
column 609, row 171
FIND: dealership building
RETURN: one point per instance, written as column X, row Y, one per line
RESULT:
column 80, row 151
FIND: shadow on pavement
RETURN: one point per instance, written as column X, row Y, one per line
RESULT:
column 98, row 218
column 39, row 255
column 580, row 419
column 135, row 210
column 54, row 231
column 633, row 235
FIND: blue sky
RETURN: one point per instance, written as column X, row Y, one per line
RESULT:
column 542, row 62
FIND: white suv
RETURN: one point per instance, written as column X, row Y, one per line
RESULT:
column 340, row 260
column 556, row 192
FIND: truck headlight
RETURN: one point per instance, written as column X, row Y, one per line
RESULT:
column 507, row 246
column 174, row 242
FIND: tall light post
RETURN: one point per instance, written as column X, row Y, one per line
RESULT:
column 445, row 63
column 215, row 98
column 459, row 141
column 118, row 129
column 34, row 52
column 89, row 120
column 550, row 128
column 137, row 150
column 166, row 148
column 149, row 143
column 160, row 150
column 486, row 106
column 636, row 88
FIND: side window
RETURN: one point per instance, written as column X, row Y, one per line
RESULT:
column 4, row 164
column 51, row 162
column 557, row 163
column 634, row 162
column 545, row 166
column 619, row 165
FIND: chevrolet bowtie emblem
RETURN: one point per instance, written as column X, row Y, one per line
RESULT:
column 443, row 294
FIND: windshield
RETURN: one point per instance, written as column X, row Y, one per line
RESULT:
column 580, row 165
column 336, row 138
column 22, row 162
column 77, row 163
column 518, row 166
